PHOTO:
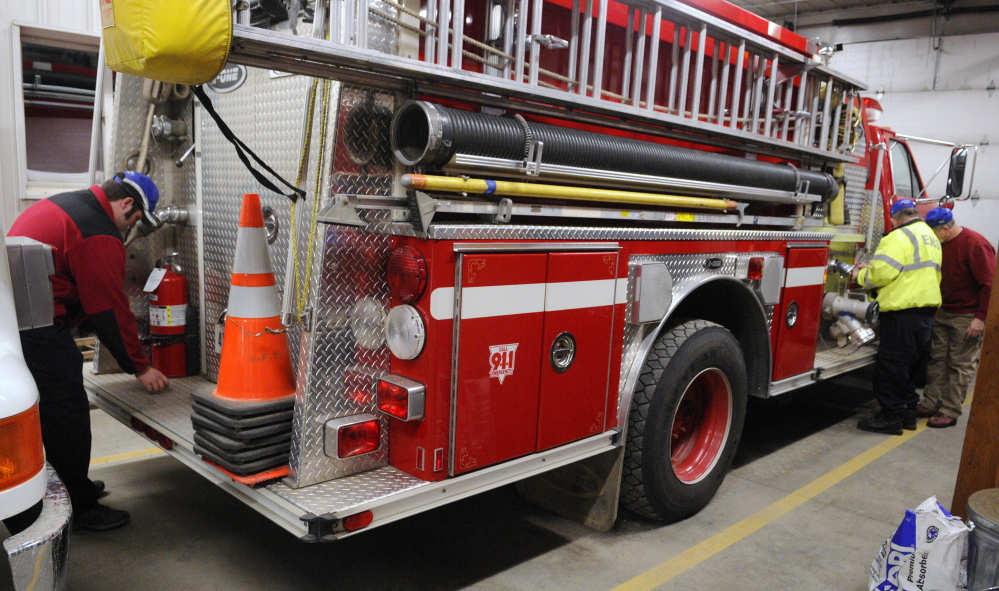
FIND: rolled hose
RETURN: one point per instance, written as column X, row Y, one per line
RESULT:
column 427, row 134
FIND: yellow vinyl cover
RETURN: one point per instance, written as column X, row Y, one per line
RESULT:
column 177, row 41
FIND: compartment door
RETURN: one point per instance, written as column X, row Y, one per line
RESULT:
column 804, row 284
column 579, row 313
column 499, row 358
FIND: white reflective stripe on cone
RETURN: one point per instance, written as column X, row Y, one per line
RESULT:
column 252, row 255
column 253, row 302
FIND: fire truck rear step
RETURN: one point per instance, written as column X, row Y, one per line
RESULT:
column 312, row 512
column 829, row 363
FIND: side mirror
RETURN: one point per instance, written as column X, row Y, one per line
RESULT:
column 955, row 178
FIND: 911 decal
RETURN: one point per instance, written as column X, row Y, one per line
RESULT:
column 501, row 360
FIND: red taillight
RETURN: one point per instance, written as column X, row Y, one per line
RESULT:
column 358, row 521
column 400, row 397
column 407, row 274
column 393, row 400
column 21, row 455
column 164, row 441
column 755, row 268
column 358, row 438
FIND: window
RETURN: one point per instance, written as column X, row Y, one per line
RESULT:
column 58, row 86
column 906, row 179
column 57, row 74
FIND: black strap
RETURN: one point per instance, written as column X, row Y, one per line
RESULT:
column 242, row 150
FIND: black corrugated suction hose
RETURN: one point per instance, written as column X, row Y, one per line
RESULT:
column 428, row 134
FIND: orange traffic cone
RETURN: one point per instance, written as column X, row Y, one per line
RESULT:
column 255, row 362
column 244, row 423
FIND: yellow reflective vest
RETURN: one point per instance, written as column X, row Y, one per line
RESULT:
column 905, row 269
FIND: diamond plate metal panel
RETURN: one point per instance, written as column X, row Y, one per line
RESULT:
column 382, row 33
column 170, row 411
column 176, row 185
column 634, row 334
column 856, row 179
column 341, row 495
column 363, row 163
column 688, row 273
column 337, row 376
column 833, row 358
column 493, row 232
column 267, row 114
column 872, row 198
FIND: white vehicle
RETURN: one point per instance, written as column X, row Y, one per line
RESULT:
column 38, row 553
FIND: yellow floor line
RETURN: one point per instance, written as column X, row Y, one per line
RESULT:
column 149, row 451
column 666, row 571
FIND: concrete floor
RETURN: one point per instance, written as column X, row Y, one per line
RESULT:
column 187, row 534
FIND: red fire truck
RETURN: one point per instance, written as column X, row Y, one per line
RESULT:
column 557, row 243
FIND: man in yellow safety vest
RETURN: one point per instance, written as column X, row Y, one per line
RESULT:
column 905, row 271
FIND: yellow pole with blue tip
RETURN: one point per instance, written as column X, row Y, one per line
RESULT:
column 449, row 184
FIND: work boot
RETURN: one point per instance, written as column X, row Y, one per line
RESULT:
column 880, row 423
column 909, row 420
column 101, row 518
column 941, row 421
column 924, row 412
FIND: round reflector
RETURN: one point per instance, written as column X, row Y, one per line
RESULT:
column 367, row 322
column 404, row 332
column 407, row 274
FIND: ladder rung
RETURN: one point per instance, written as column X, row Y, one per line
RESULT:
column 703, row 95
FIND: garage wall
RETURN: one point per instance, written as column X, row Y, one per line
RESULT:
column 70, row 15
column 938, row 89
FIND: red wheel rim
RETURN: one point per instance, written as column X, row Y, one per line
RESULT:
column 700, row 426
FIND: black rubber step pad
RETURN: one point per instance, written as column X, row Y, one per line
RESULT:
column 243, row 456
column 243, row 469
column 241, row 434
column 240, row 408
column 281, row 416
column 229, row 444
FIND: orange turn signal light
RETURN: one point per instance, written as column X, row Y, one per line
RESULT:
column 21, row 452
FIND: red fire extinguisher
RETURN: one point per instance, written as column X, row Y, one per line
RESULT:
column 168, row 320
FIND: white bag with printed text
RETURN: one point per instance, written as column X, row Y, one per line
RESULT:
column 928, row 552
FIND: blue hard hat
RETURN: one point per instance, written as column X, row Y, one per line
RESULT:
column 939, row 216
column 902, row 204
column 149, row 195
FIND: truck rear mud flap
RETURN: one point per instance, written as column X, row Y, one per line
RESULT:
column 329, row 510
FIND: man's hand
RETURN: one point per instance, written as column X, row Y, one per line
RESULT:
column 153, row 379
column 856, row 270
column 976, row 328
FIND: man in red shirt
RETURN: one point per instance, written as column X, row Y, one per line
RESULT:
column 85, row 227
column 969, row 261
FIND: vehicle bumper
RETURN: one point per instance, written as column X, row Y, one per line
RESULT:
column 38, row 555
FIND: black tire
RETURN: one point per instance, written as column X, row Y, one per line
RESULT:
column 697, row 355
